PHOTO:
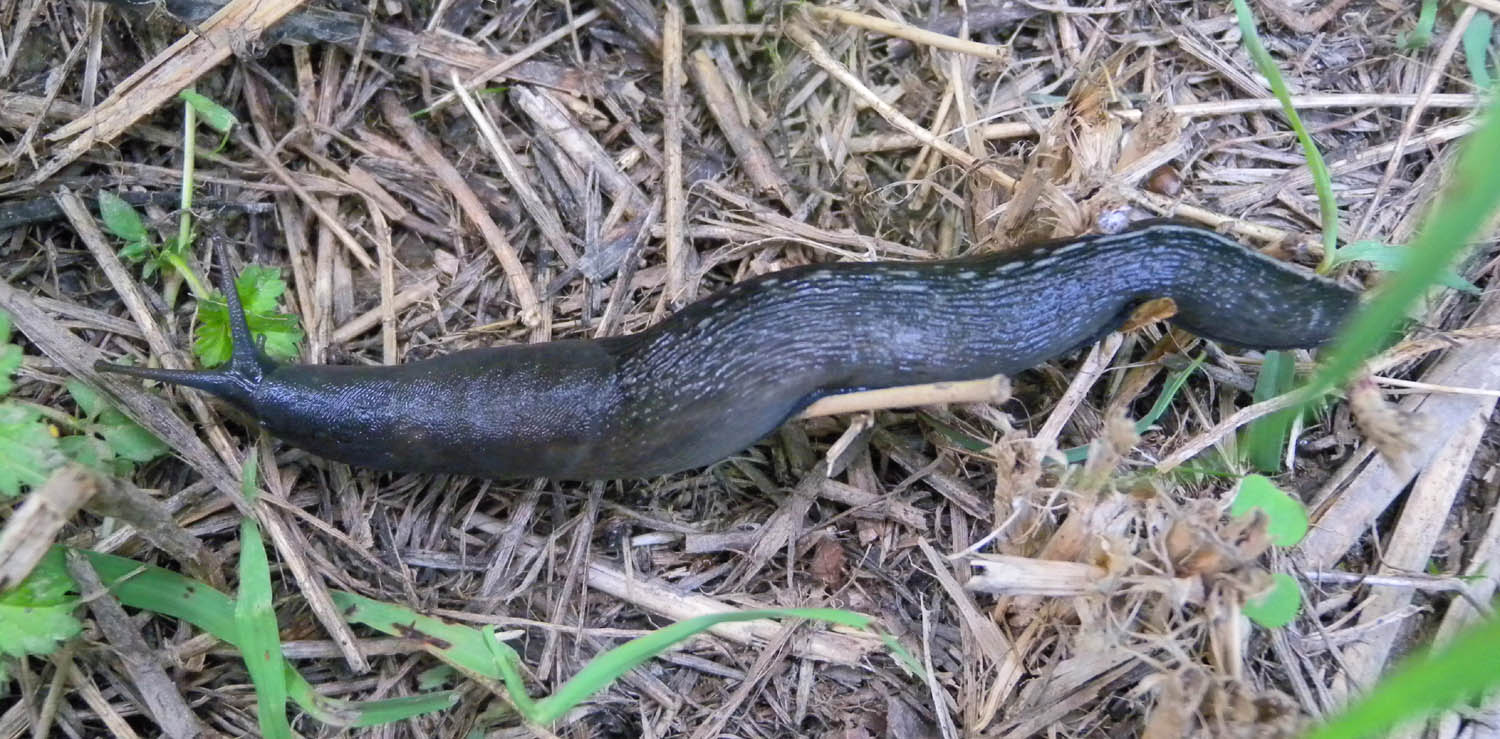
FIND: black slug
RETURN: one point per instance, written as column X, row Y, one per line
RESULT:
column 727, row 370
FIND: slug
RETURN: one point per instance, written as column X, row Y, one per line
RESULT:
column 725, row 371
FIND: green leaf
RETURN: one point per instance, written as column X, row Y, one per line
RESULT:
column 259, row 288
column 91, row 403
column 1276, row 607
column 1266, row 438
column 28, row 449
column 215, row 115
column 260, row 638
column 37, row 614
column 1391, row 258
column 266, row 288
column 10, row 356
column 1477, row 49
column 89, row 451
column 1287, row 516
column 128, row 439
column 110, row 442
column 121, row 219
column 1421, row 35
column 1423, row 684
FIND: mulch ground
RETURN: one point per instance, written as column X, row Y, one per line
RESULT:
column 612, row 162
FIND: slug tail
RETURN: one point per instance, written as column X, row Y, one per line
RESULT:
column 237, row 381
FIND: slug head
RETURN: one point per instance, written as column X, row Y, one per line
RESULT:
column 237, row 381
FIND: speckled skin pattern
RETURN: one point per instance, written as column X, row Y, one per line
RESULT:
column 725, row 371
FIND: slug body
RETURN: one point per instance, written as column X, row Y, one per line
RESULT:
column 727, row 370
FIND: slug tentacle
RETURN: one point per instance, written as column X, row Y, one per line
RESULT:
column 725, row 371
column 247, row 366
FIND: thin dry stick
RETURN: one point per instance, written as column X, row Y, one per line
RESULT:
column 879, row 142
column 989, row 390
column 469, row 203
column 24, row 22
column 680, row 289
column 1432, row 388
column 1092, row 368
column 926, row 159
column 1301, row 176
column 369, row 187
column 1010, row 130
column 557, row 124
column 292, row 544
column 1429, row 85
column 911, row 33
column 1225, row 427
column 510, row 62
column 1411, row 349
column 1168, row 206
column 545, row 216
column 95, row 700
column 386, row 251
column 748, row 145
column 837, row 645
column 158, row 80
column 32, row 527
column 992, row 643
column 821, row 57
column 325, row 217
column 399, row 302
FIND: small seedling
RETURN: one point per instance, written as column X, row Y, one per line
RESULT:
column 36, row 616
column 260, row 290
column 106, row 441
column 28, row 444
column 1286, row 524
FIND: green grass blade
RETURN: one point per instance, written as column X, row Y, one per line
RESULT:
column 1476, row 42
column 1423, row 684
column 464, row 647
column 162, row 591
column 255, row 619
column 1421, row 34
column 168, row 593
column 1169, row 391
column 609, row 666
column 1266, row 438
column 1463, row 208
column 479, row 653
column 1328, row 208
